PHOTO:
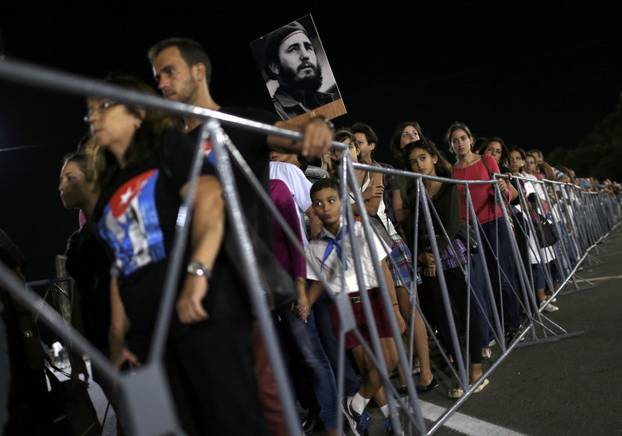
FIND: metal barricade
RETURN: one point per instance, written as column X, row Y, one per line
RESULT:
column 580, row 221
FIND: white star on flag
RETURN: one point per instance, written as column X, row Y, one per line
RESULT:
column 125, row 197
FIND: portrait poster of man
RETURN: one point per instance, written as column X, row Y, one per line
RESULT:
column 298, row 76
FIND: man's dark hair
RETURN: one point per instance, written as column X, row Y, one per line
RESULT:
column 192, row 52
column 324, row 184
column 366, row 130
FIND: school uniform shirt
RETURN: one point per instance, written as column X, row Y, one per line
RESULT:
column 324, row 253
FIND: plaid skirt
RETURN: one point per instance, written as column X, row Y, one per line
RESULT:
column 401, row 264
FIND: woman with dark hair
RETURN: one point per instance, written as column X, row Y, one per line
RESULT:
column 424, row 158
column 538, row 262
column 496, row 148
column 405, row 133
column 142, row 171
column 495, row 236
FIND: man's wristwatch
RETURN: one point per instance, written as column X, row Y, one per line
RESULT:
column 198, row 269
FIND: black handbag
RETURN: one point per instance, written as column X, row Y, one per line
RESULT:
column 279, row 285
column 468, row 231
column 72, row 409
column 545, row 231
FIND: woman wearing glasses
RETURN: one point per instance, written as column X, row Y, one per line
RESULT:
column 142, row 169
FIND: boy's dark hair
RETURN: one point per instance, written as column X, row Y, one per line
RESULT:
column 330, row 182
column 192, row 52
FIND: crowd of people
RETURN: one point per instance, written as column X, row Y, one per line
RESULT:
column 129, row 177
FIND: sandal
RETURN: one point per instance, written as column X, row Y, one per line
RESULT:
column 455, row 393
column 458, row 392
column 427, row 388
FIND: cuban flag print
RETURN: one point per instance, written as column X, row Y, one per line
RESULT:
column 130, row 224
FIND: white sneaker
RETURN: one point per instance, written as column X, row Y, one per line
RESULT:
column 550, row 307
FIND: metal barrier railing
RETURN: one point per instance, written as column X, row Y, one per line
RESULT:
column 589, row 218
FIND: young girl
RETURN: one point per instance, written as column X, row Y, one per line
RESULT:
column 424, row 158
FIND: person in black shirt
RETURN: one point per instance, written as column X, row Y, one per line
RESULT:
column 143, row 168
column 182, row 70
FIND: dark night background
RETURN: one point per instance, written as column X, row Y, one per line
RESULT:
column 538, row 76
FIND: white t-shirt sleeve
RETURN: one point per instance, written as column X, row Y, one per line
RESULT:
column 295, row 180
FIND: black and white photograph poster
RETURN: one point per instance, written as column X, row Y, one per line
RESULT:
column 297, row 73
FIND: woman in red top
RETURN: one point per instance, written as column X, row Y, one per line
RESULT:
column 495, row 238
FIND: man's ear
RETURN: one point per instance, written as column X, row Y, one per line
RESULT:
column 198, row 71
column 372, row 145
column 274, row 68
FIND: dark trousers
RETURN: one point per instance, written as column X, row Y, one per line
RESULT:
column 506, row 287
column 457, row 290
column 211, row 375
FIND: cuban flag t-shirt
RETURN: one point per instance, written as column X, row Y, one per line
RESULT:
column 130, row 224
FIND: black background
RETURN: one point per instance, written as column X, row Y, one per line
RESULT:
column 538, row 76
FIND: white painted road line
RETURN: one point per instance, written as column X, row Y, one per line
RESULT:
column 465, row 424
column 600, row 279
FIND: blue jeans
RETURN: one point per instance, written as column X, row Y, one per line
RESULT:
column 308, row 342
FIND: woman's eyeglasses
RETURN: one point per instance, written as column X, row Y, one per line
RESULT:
column 99, row 109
